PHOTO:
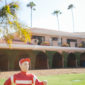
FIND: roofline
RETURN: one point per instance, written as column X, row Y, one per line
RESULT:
column 56, row 33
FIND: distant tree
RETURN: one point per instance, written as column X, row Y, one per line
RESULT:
column 31, row 5
column 57, row 12
column 9, row 22
column 70, row 7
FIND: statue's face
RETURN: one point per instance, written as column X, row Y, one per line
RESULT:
column 24, row 66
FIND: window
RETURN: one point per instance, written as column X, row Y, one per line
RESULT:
column 54, row 39
column 72, row 40
column 39, row 38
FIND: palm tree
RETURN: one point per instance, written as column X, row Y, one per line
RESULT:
column 70, row 7
column 31, row 5
column 57, row 12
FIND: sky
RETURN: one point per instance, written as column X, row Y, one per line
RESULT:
column 43, row 17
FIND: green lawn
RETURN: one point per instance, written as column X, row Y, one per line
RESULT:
column 65, row 79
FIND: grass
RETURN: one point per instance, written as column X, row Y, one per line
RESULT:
column 65, row 79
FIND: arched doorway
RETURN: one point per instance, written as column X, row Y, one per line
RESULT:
column 3, row 62
column 82, row 60
column 41, row 61
column 17, row 60
column 57, row 61
column 71, row 60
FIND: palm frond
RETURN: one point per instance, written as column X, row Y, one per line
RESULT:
column 70, row 6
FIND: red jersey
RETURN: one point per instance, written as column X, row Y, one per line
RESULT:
column 23, row 78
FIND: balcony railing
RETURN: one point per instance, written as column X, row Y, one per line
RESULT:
column 38, row 47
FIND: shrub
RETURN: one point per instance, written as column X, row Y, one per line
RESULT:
column 45, row 43
column 65, row 45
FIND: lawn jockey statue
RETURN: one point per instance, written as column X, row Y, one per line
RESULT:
column 24, row 78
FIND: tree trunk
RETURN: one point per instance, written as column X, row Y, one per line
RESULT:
column 31, row 17
column 72, row 19
column 58, row 23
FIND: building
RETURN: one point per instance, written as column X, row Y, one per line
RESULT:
column 48, row 49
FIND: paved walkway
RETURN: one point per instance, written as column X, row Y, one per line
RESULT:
column 46, row 72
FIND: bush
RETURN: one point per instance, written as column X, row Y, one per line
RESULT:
column 81, row 45
column 65, row 45
column 45, row 43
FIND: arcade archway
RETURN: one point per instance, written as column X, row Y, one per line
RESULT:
column 3, row 62
column 41, row 61
column 82, row 60
column 71, row 60
column 57, row 61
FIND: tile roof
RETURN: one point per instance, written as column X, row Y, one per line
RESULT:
column 56, row 33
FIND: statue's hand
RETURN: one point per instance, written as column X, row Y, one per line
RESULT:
column 44, row 82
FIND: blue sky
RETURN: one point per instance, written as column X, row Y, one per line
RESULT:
column 43, row 17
